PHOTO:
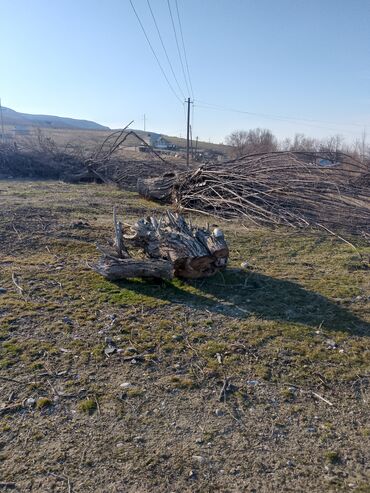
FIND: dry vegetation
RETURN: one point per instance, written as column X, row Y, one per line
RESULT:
column 274, row 188
column 103, row 157
column 254, row 380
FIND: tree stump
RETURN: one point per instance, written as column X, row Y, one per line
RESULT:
column 159, row 189
column 171, row 246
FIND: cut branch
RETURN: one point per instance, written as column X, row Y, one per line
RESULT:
column 278, row 188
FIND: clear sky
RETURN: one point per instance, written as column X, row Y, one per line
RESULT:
column 288, row 62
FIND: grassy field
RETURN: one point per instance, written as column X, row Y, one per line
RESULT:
column 89, row 139
column 286, row 338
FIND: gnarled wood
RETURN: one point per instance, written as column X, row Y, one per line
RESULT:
column 195, row 252
column 158, row 189
column 114, row 269
column 172, row 247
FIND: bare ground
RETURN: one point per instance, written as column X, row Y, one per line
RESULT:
column 287, row 339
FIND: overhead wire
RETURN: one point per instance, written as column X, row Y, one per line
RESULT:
column 165, row 50
column 178, row 47
column 154, row 53
column 184, row 49
column 274, row 117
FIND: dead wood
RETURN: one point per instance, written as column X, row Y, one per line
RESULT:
column 194, row 252
column 115, row 269
column 158, row 189
column 278, row 188
column 171, row 247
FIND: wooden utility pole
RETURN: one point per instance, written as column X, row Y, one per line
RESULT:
column 188, row 135
column 144, row 122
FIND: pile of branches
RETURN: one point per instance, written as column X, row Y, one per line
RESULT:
column 15, row 162
column 107, row 163
column 41, row 157
column 278, row 188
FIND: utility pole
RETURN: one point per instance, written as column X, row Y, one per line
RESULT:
column 144, row 122
column 188, row 135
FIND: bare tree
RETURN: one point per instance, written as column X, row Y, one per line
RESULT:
column 238, row 140
column 303, row 143
column 332, row 144
column 252, row 141
column 361, row 149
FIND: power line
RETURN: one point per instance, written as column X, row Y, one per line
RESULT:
column 165, row 51
column 154, row 53
column 183, row 46
column 306, row 121
column 178, row 47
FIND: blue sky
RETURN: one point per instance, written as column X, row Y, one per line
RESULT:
column 290, row 65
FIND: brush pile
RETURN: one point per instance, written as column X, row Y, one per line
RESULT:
column 279, row 188
column 15, row 162
column 41, row 157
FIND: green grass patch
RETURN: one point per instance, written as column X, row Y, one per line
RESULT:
column 87, row 406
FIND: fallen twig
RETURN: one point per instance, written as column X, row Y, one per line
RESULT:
column 97, row 405
column 322, row 398
column 7, row 379
column 222, row 396
column 64, row 478
column 19, row 288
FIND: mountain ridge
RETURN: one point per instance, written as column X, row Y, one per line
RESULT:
column 11, row 117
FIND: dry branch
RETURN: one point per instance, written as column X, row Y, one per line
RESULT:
column 115, row 269
column 273, row 188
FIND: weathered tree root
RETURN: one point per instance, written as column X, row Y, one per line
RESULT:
column 171, row 246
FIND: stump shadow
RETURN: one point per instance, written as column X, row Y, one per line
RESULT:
column 242, row 294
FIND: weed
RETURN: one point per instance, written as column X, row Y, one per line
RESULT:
column 181, row 382
column 5, row 363
column 287, row 394
column 43, row 402
column 134, row 392
column 87, row 406
column 332, row 457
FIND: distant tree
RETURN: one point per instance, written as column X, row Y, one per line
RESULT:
column 360, row 148
column 303, row 143
column 252, row 141
column 300, row 142
column 238, row 140
column 332, row 144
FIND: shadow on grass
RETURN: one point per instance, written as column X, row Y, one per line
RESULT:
column 239, row 294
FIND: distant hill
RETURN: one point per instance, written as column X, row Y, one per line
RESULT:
column 84, row 132
column 16, row 119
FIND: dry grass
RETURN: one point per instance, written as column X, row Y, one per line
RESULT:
column 292, row 326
